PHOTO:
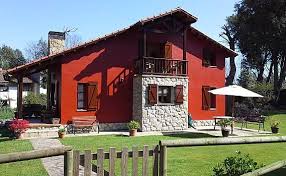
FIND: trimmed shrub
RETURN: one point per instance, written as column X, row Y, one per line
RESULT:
column 33, row 98
column 6, row 113
column 236, row 165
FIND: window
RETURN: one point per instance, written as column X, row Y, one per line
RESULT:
column 213, row 99
column 209, row 57
column 87, row 94
column 208, row 99
column 164, row 94
column 27, row 87
column 3, row 88
column 81, row 96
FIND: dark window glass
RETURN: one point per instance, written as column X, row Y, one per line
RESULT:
column 209, row 57
column 81, row 98
column 213, row 99
column 164, row 94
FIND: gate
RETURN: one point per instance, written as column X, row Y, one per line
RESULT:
column 94, row 163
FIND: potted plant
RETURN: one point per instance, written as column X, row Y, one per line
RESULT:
column 61, row 131
column 18, row 127
column 133, row 126
column 274, row 126
column 223, row 124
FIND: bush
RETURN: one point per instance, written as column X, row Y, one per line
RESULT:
column 236, row 165
column 133, row 125
column 33, row 98
column 6, row 113
column 18, row 126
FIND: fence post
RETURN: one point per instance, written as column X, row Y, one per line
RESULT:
column 68, row 163
column 163, row 160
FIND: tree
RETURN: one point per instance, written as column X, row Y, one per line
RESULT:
column 10, row 58
column 72, row 40
column 37, row 49
column 229, row 35
column 260, row 29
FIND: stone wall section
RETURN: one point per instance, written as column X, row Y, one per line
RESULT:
column 159, row 117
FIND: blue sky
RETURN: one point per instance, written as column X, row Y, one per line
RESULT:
column 25, row 21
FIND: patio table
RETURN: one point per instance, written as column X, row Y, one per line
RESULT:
column 224, row 117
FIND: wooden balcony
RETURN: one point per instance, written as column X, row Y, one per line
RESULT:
column 161, row 66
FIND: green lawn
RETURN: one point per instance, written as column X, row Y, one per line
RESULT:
column 280, row 116
column 181, row 161
column 185, row 160
column 23, row 168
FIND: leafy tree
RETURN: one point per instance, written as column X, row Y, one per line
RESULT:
column 37, row 49
column 260, row 29
column 10, row 58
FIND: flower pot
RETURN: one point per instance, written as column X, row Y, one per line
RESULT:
column 61, row 135
column 225, row 132
column 18, row 135
column 132, row 132
column 274, row 130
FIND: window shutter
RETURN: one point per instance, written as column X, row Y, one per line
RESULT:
column 179, row 94
column 92, row 94
column 205, row 98
column 152, row 94
column 168, row 50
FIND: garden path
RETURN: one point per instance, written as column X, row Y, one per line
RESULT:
column 53, row 165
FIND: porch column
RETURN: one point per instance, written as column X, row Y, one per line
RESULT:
column 144, row 43
column 185, row 44
column 185, row 50
column 49, row 89
column 20, row 97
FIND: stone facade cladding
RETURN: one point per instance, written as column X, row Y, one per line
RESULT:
column 198, row 123
column 164, row 117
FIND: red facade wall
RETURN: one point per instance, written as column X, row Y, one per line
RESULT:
column 106, row 62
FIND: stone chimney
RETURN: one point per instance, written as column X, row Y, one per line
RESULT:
column 56, row 42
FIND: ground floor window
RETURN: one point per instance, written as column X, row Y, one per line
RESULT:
column 164, row 94
column 87, row 96
column 81, row 96
column 208, row 99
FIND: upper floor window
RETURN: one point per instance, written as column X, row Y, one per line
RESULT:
column 209, row 57
column 156, row 49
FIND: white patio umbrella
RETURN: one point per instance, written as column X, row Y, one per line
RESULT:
column 234, row 90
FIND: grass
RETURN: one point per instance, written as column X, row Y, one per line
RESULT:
column 280, row 116
column 184, row 160
column 23, row 168
column 181, row 161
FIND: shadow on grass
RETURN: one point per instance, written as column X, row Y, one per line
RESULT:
column 4, row 132
column 187, row 135
column 278, row 172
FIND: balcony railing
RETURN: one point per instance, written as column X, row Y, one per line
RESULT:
column 161, row 66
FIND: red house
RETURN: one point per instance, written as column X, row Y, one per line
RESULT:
column 157, row 71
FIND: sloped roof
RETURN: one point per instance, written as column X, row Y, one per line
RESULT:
column 3, row 81
column 177, row 11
